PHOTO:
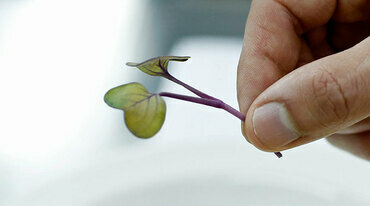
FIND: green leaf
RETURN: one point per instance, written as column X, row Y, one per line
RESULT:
column 157, row 66
column 144, row 112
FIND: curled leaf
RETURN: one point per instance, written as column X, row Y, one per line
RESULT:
column 157, row 66
column 144, row 112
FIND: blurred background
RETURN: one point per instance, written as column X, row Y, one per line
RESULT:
column 61, row 145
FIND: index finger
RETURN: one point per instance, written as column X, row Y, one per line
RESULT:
column 273, row 45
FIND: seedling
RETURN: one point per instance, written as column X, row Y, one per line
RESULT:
column 145, row 112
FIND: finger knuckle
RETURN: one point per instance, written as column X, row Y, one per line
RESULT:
column 330, row 98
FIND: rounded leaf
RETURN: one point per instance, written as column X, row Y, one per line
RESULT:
column 126, row 95
column 144, row 112
column 146, row 118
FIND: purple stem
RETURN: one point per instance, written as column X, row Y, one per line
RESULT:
column 190, row 88
column 205, row 101
column 210, row 102
column 233, row 111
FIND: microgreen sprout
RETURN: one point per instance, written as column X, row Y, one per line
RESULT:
column 145, row 112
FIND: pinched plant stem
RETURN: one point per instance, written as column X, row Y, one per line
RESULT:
column 205, row 98
column 210, row 102
column 205, row 101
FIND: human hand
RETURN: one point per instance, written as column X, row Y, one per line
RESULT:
column 304, row 74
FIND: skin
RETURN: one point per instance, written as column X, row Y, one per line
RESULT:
column 292, row 51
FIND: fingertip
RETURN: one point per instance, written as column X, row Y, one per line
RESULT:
column 250, row 135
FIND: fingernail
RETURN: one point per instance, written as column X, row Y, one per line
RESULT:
column 273, row 125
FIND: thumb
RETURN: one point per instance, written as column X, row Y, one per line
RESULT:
column 313, row 101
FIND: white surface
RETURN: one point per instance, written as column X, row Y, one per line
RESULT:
column 207, row 174
column 200, row 157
